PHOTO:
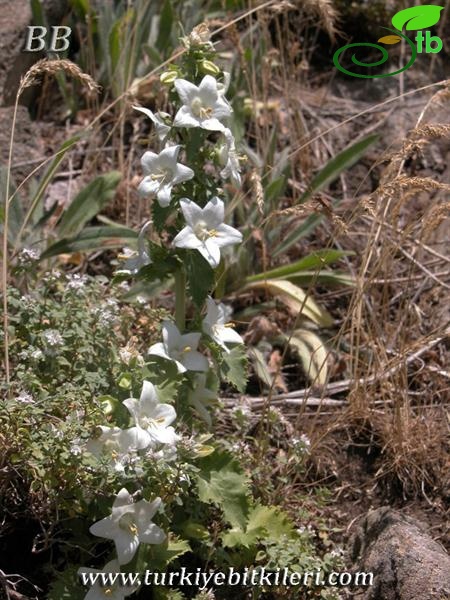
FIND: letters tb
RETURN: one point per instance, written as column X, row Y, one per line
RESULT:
column 59, row 42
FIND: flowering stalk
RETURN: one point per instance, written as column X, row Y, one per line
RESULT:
column 181, row 193
column 180, row 298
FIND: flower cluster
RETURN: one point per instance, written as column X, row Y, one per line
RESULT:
column 185, row 193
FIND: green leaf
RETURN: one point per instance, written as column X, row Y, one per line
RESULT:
column 165, row 26
column 160, row 215
column 200, row 276
column 91, row 238
column 332, row 278
column 222, row 482
column 234, row 367
column 114, row 45
column 162, row 266
column 66, row 586
column 417, row 17
column 88, row 203
column 328, row 174
column 338, row 164
column 264, row 522
column 315, row 260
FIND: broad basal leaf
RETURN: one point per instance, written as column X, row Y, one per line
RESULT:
column 264, row 522
column 88, row 203
column 222, row 482
column 312, row 354
column 92, row 238
column 295, row 299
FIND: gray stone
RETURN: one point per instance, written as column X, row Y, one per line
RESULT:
column 406, row 562
column 14, row 19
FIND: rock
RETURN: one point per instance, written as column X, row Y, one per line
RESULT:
column 14, row 19
column 14, row 62
column 55, row 10
column 407, row 564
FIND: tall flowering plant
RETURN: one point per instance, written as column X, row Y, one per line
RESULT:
column 183, row 180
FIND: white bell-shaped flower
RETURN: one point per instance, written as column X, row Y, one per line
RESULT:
column 152, row 418
column 180, row 348
column 215, row 325
column 129, row 525
column 205, row 230
column 162, row 172
column 203, row 105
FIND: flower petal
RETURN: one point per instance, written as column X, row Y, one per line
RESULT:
column 142, row 438
column 192, row 212
column 168, row 156
column 123, row 498
column 187, row 239
column 194, row 361
column 126, row 546
column 184, row 118
column 214, row 213
column 164, row 436
column 134, row 438
column 148, row 186
column 229, row 335
column 226, row 236
column 153, row 535
column 132, row 405
column 149, row 162
column 207, row 90
column 165, row 413
column 105, row 528
column 171, row 335
column 186, row 90
column 159, row 350
column 211, row 252
column 182, row 173
column 212, row 125
column 191, row 339
column 148, row 396
column 164, row 194
column 222, row 109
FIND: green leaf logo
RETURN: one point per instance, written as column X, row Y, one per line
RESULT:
column 417, row 17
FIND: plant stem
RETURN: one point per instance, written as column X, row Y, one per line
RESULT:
column 4, row 275
column 180, row 298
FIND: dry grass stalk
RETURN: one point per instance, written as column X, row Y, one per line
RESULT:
column 326, row 12
column 258, row 190
column 52, row 67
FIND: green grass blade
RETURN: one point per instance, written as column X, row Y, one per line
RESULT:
column 315, row 260
column 329, row 173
